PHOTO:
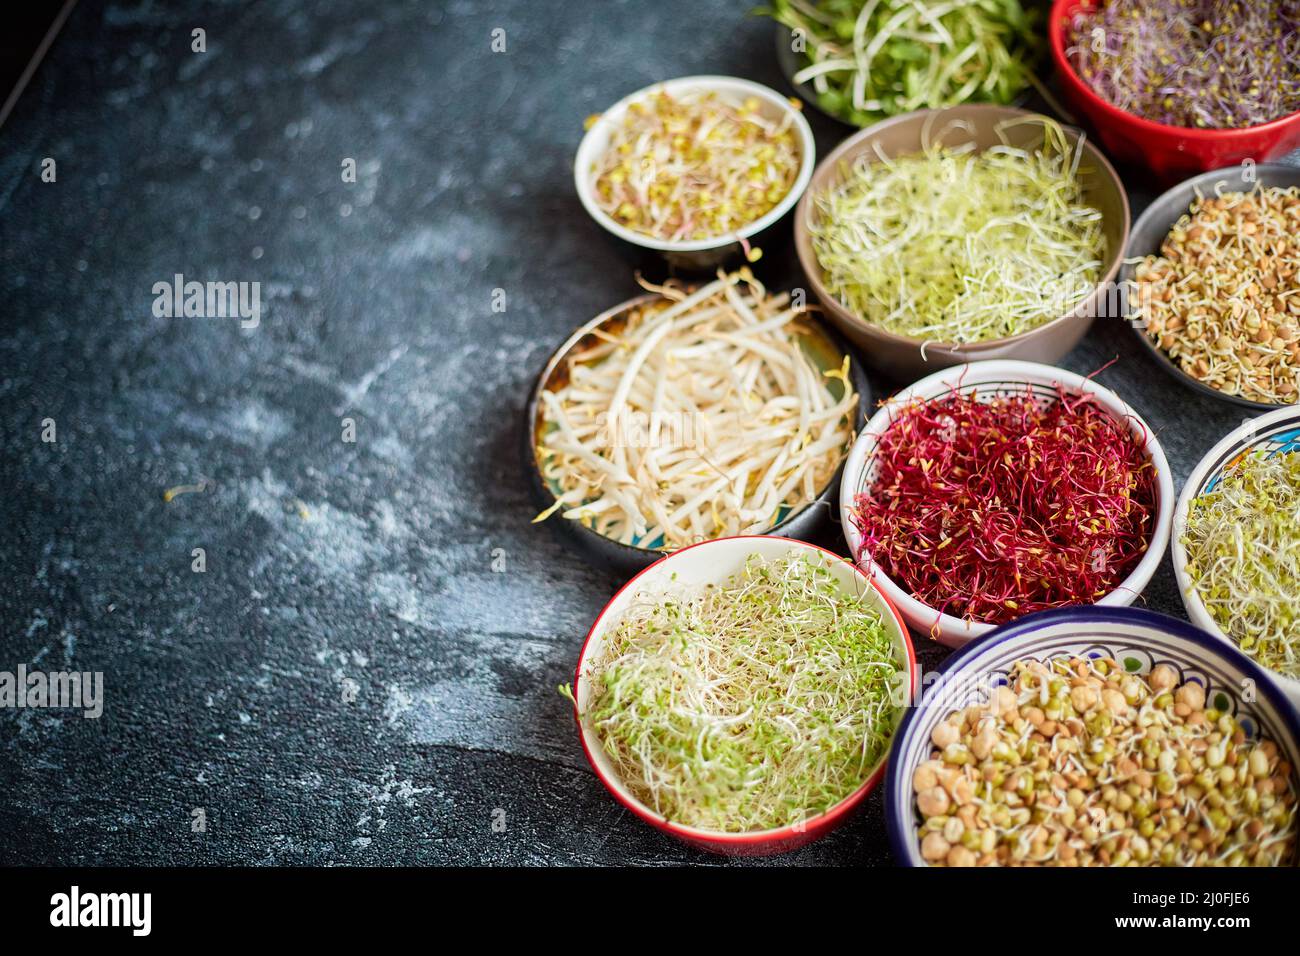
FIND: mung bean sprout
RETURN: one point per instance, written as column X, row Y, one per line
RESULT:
column 702, row 416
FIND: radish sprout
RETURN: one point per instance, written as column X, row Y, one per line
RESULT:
column 1203, row 64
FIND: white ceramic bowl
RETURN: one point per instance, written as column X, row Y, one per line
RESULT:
column 1267, row 434
column 989, row 379
column 698, row 253
column 711, row 563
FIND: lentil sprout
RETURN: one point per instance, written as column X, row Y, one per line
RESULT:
column 1221, row 300
column 1078, row 763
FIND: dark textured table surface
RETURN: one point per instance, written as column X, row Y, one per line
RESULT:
column 365, row 673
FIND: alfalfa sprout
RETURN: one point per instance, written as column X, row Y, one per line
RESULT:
column 954, row 245
column 1243, row 557
column 753, row 704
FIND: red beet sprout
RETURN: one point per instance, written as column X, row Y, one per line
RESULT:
column 990, row 510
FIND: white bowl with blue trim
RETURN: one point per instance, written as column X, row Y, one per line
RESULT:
column 1270, row 434
column 1138, row 639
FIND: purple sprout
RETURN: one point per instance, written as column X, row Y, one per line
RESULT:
column 1207, row 64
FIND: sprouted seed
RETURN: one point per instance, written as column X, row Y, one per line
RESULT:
column 868, row 60
column 1243, row 557
column 196, row 488
column 1078, row 763
column 701, row 417
column 696, row 166
column 957, row 246
column 990, row 510
column 756, row 703
column 1221, row 297
column 1209, row 64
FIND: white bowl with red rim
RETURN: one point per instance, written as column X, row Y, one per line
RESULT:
column 712, row 562
column 988, row 380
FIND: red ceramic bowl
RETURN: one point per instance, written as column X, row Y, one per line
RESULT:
column 712, row 562
column 1171, row 152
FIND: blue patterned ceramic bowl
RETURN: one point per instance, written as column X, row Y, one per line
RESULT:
column 1271, row 434
column 1136, row 638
